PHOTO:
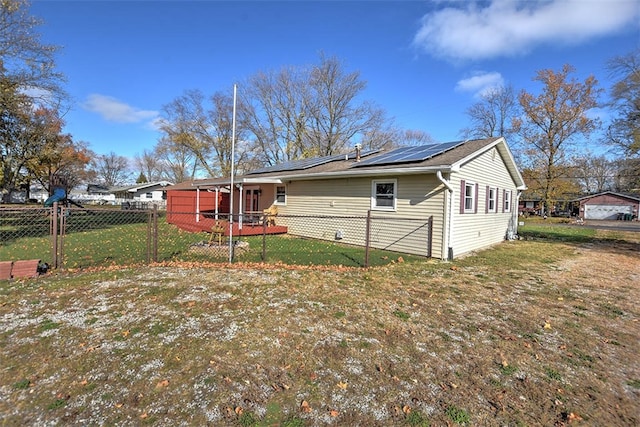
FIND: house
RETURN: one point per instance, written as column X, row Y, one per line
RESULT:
column 142, row 194
column 469, row 188
column 610, row 206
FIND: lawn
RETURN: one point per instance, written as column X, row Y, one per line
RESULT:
column 532, row 332
column 107, row 242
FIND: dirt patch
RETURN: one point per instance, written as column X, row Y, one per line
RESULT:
column 543, row 340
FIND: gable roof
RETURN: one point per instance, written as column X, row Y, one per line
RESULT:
column 450, row 159
column 634, row 197
column 142, row 186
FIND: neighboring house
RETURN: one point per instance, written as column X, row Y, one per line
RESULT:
column 148, row 192
column 470, row 188
column 529, row 205
column 610, row 206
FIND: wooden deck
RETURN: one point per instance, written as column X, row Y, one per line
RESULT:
column 205, row 225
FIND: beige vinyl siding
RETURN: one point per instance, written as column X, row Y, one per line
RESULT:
column 418, row 196
column 472, row 231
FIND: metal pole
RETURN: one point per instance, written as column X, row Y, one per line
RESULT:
column 233, row 157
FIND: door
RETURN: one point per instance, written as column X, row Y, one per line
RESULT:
column 251, row 205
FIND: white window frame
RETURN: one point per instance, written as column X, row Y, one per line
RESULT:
column 507, row 201
column 148, row 195
column 375, row 194
column 472, row 197
column 493, row 191
column 278, row 202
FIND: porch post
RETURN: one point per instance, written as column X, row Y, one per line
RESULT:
column 197, row 204
column 240, row 207
column 216, row 204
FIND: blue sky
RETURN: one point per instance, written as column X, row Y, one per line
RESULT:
column 425, row 62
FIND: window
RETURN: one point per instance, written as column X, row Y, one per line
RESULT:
column 281, row 195
column 492, row 194
column 468, row 197
column 507, row 201
column 149, row 195
column 383, row 195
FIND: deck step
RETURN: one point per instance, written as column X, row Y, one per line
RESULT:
column 5, row 270
column 25, row 268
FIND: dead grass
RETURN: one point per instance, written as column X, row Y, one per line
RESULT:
column 527, row 333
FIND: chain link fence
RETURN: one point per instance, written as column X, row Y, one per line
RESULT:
column 73, row 237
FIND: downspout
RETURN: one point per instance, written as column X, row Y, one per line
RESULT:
column 449, row 213
column 516, row 211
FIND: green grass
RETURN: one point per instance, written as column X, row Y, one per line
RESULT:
column 88, row 245
column 556, row 231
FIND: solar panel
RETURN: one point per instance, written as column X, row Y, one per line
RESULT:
column 410, row 154
column 303, row 164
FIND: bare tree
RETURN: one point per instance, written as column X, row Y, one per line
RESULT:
column 493, row 114
column 26, row 61
column 111, row 169
column 178, row 163
column 594, row 173
column 203, row 127
column 627, row 174
column 624, row 131
column 275, row 112
column 551, row 123
column 300, row 112
column 149, row 165
column 28, row 81
column 336, row 117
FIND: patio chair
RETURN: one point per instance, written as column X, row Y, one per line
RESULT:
column 217, row 231
column 270, row 215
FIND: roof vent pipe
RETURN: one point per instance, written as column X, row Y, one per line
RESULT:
column 358, row 152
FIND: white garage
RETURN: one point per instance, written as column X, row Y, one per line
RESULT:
column 611, row 212
column 610, row 206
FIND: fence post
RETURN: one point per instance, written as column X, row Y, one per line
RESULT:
column 430, row 237
column 149, row 225
column 366, row 239
column 155, row 233
column 62, row 217
column 54, row 235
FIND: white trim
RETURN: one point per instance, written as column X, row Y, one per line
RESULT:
column 374, row 194
column 474, row 197
column 508, row 196
column 494, row 199
column 275, row 196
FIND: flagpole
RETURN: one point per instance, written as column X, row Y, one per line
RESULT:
column 233, row 156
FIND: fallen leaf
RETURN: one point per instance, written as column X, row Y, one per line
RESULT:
column 342, row 385
column 574, row 417
column 143, row 416
column 406, row 409
column 547, row 325
column 304, row 406
column 333, row 413
column 163, row 383
column 239, row 410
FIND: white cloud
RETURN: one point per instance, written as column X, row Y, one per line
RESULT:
column 471, row 30
column 117, row 111
column 480, row 83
